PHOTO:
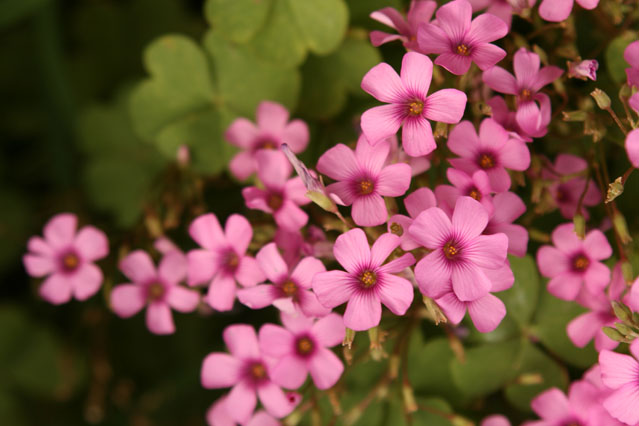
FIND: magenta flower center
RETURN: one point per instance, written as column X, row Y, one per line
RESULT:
column 463, row 50
column 415, row 108
column 155, row 292
column 70, row 262
column 365, row 186
column 275, row 201
column 397, row 229
column 257, row 371
column 525, row 95
column 289, row 288
column 562, row 195
column 486, row 161
column 368, row 278
column 474, row 193
column 304, row 346
column 451, row 250
column 580, row 263
column 267, row 144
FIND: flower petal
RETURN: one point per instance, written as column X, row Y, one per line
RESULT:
column 371, row 157
column 487, row 312
column 455, row 63
column 276, row 341
column 623, row 403
column 381, row 122
column 363, row 311
column 419, row 200
column 446, row 106
column 173, row 267
column 417, row 137
column 274, row 400
column 333, row 287
column 272, row 264
column 469, row 282
column 56, row 289
column 469, row 218
column 182, row 299
column 431, row 228
column 395, row 293
column 352, row 251
column 241, row 341
column 257, row 297
column 238, row 232
column 339, row 163
column 86, row 281
column 500, row 80
column 207, row 232
column 248, row 272
column 487, row 251
column 454, row 18
column 325, row 368
column 159, row 319
column 271, row 117
column 290, row 371
column 59, row 232
column 555, row 11
column 451, row 306
column 487, row 55
column 486, row 28
column 382, row 248
column 596, row 245
column 551, row 404
column 221, row 293
column 127, row 299
column 220, row 370
column 433, row 274
column 432, row 39
column 383, row 83
column 91, row 243
column 296, row 135
column 416, row 74
column 632, row 147
column 583, row 328
column 202, row 265
column 305, row 271
column 399, row 264
column 369, row 210
column 329, row 331
column 243, row 399
column 138, row 267
column 565, row 286
column 242, row 133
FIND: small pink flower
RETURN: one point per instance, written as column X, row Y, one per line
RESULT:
column 632, row 147
column 573, row 262
column 418, row 165
column 273, row 129
column 559, row 10
column 493, row 151
column 525, row 85
column 631, row 55
column 301, row 347
column 218, row 415
column 476, row 186
column 66, row 256
column 420, row 11
column 157, row 288
column 460, row 253
column 586, row 69
column 248, row 371
column 222, row 259
column 621, row 373
column 289, row 291
column 495, row 420
column 409, row 104
column 459, row 42
column 566, row 194
column 363, row 179
column 508, row 119
column 281, row 196
column 415, row 203
column 507, row 208
column 367, row 282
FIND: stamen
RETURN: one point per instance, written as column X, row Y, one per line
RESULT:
column 368, row 278
column 415, row 108
column 463, row 50
column 526, row 95
column 275, row 201
column 474, row 193
column 486, row 161
column 366, row 187
column 70, row 261
column 450, row 251
column 257, row 371
column 155, row 292
column 289, row 288
column 397, row 229
column 304, row 346
column 580, row 263
column 231, row 260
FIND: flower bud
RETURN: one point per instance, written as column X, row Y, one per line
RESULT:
column 615, row 189
column 410, row 404
column 349, row 336
column 580, row 225
column 621, row 227
column 626, row 271
column 613, row 334
column 574, row 115
column 625, row 330
column 183, row 156
column 621, row 311
column 583, row 70
column 602, row 99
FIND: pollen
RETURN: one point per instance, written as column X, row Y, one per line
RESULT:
column 397, row 229
column 450, row 250
column 70, row 261
column 526, row 95
column 365, row 186
column 155, row 292
column 463, row 50
column 415, row 108
column 257, row 371
column 231, row 261
column 268, row 144
column 486, row 161
column 289, row 288
column 580, row 263
column 275, row 201
column 474, row 193
column 368, row 278
column 304, row 346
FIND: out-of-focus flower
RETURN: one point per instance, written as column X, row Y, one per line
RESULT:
column 408, row 104
column 459, row 42
column 66, row 256
column 301, row 347
column 158, row 288
column 415, row 203
column 632, row 147
column 495, row 420
column 631, row 55
column 583, row 70
column 559, row 10
column 367, row 282
column 222, row 259
column 272, row 130
column 218, row 415
column 621, row 373
column 420, row 12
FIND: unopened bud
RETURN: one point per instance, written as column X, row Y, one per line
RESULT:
column 615, row 189
column 183, row 156
column 621, row 311
column 376, row 348
column 621, row 227
column 410, row 404
column 349, row 336
column 583, row 70
column 602, row 99
column 530, row 379
column 625, row 330
column 625, row 92
column 613, row 334
column 574, row 115
column 626, row 271
column 441, row 130
column 461, row 421
column 434, row 311
column 580, row 225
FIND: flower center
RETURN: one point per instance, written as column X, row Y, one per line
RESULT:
column 474, row 193
column 368, row 278
column 562, row 195
column 70, row 262
column 415, row 108
column 486, row 161
column 463, row 50
column 365, row 186
column 231, row 260
column 155, row 292
column 525, row 95
column 257, row 371
column 580, row 263
column 397, row 229
column 450, row 250
column 267, row 144
column 275, row 201
column 289, row 288
column 304, row 346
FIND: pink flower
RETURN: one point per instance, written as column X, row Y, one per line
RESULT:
column 66, row 256
column 632, row 147
column 218, row 415
column 248, row 371
column 476, row 186
column 281, row 196
column 459, row 42
column 289, row 291
column 301, row 347
column 508, row 207
column 222, row 259
column 415, row 203
column 273, row 129
column 495, row 420
column 633, row 102
column 363, row 179
column 459, row 252
column 621, row 373
column 157, row 288
column 420, row 11
column 526, row 83
column 367, row 282
column 573, row 262
column 631, row 55
column 493, row 151
column 418, row 165
column 502, row 9
column 566, row 194
column 409, row 104
column 586, row 69
column 508, row 120
column 559, row 10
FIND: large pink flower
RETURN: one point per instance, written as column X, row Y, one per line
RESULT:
column 415, row 203
column 222, row 259
column 157, row 288
column 631, row 55
column 573, row 262
column 409, row 104
column 621, row 373
column 493, row 151
column 302, row 348
column 281, row 196
column 559, row 10
column 632, row 147
column 458, row 41
column 289, row 291
column 367, row 282
column 67, row 257
column 248, row 371
column 363, row 179
column 525, row 85
column 273, row 129
column 420, row 11
column 460, row 253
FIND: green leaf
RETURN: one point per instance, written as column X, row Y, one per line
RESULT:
column 431, row 412
column 615, row 61
column 14, row 225
column 534, row 363
column 14, row 10
column 521, row 300
column 322, row 23
column 37, row 370
column 361, row 9
column 10, row 411
column 238, row 20
column 550, row 322
column 486, row 368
